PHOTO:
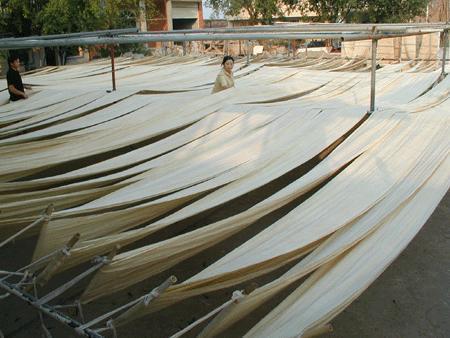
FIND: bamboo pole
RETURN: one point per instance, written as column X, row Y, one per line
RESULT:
column 56, row 262
column 111, row 324
column 63, row 288
column 44, row 219
column 237, row 295
column 319, row 330
column 142, row 303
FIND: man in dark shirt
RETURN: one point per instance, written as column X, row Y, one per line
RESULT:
column 15, row 85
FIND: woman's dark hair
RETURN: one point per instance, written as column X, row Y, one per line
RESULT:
column 226, row 58
column 12, row 58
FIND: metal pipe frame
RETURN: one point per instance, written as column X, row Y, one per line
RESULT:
column 113, row 67
column 108, row 32
column 315, row 27
column 444, row 51
column 324, row 27
column 48, row 310
column 373, row 75
column 288, row 32
column 193, row 37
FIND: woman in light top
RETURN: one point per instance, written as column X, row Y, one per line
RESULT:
column 225, row 79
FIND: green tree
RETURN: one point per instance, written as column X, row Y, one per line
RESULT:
column 264, row 10
column 19, row 17
column 326, row 10
column 376, row 11
column 68, row 16
column 392, row 11
column 332, row 10
column 124, row 13
column 36, row 17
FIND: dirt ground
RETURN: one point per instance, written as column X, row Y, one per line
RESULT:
column 410, row 299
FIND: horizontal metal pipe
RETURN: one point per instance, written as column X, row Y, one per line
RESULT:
column 311, row 28
column 179, row 37
column 75, row 35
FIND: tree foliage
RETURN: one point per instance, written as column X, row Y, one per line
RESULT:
column 357, row 11
column 264, row 10
column 365, row 11
column 18, row 17
column 36, row 17
column 123, row 13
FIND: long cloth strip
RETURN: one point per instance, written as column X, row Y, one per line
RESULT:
column 219, row 274
column 361, row 185
column 333, row 287
column 260, row 160
column 376, row 127
column 186, row 136
column 127, row 131
column 392, row 89
column 97, row 112
column 276, row 168
column 341, row 240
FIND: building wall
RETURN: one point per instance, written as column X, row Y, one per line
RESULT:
column 421, row 47
column 162, row 21
column 438, row 11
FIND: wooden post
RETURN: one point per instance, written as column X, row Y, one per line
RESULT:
column 44, row 219
column 113, row 69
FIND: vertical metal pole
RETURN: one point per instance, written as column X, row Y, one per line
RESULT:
column 113, row 69
column 58, row 59
column 294, row 49
column 184, row 48
column 372, row 77
column 444, row 50
column 247, row 46
column 306, row 50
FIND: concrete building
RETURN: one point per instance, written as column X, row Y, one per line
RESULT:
column 179, row 14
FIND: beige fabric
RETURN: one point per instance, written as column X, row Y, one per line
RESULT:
column 208, row 280
column 224, row 80
column 333, row 287
column 222, row 147
column 343, row 239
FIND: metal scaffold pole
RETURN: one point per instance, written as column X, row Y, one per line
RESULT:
column 113, row 68
column 373, row 75
column 444, row 51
